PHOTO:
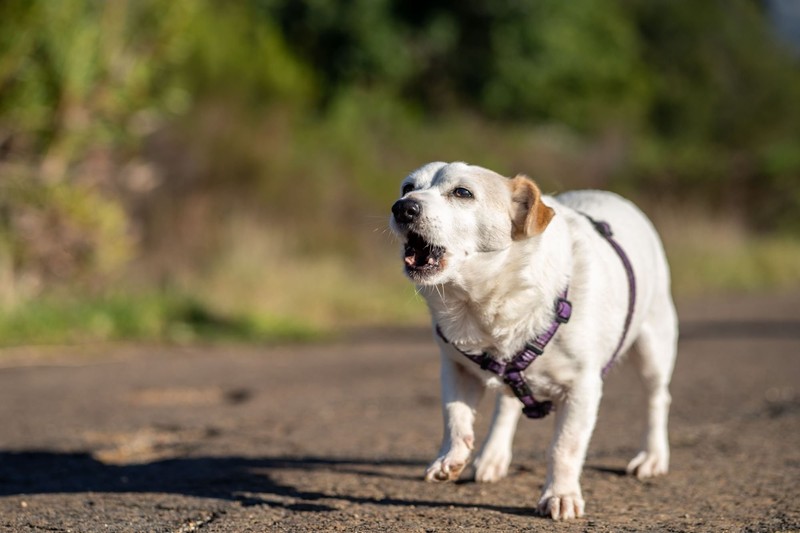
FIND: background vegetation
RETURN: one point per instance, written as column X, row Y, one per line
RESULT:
column 183, row 169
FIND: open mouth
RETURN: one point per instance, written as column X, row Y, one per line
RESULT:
column 422, row 258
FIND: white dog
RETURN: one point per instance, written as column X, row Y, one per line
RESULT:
column 502, row 269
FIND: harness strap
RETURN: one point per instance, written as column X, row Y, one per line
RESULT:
column 605, row 231
column 511, row 372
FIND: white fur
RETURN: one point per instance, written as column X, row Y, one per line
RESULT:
column 496, row 292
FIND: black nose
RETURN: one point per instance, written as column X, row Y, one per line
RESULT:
column 406, row 210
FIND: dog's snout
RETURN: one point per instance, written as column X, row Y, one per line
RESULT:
column 406, row 210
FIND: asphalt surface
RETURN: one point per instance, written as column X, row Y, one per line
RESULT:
column 336, row 436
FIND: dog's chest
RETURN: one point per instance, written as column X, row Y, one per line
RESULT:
column 499, row 325
column 502, row 331
column 477, row 328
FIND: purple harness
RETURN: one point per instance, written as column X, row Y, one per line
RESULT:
column 511, row 372
column 605, row 230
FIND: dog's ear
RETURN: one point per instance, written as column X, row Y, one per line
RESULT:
column 529, row 215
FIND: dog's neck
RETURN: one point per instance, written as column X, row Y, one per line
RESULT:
column 499, row 300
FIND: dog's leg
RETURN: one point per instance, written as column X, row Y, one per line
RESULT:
column 576, row 417
column 461, row 392
column 495, row 456
column 654, row 356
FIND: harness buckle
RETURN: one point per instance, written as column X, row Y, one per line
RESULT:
column 563, row 310
column 533, row 348
column 486, row 362
column 537, row 409
column 517, row 384
column 602, row 227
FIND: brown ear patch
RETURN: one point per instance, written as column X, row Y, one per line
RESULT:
column 529, row 215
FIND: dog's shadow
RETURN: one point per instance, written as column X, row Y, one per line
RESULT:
column 249, row 481
column 619, row 472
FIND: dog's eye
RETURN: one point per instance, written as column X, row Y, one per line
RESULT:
column 407, row 188
column 461, row 192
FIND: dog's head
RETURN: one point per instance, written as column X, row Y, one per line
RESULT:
column 450, row 212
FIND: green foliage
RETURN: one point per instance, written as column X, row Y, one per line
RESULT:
column 540, row 68
column 88, row 74
column 575, row 62
column 82, row 85
column 722, row 122
column 702, row 93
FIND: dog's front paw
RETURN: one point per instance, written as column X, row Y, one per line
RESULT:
column 649, row 464
column 451, row 463
column 561, row 506
column 445, row 469
column 492, row 465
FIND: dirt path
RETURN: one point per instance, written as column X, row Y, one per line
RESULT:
column 336, row 437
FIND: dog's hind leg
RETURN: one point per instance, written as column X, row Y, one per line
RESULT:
column 461, row 393
column 654, row 356
column 495, row 455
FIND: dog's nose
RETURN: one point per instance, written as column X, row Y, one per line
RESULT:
column 406, row 210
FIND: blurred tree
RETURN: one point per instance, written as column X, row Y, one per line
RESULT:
column 82, row 83
column 723, row 113
column 573, row 62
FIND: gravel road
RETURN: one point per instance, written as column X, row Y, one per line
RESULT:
column 336, row 436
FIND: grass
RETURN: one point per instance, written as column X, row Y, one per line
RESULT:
column 714, row 255
column 771, row 263
column 137, row 317
column 357, row 282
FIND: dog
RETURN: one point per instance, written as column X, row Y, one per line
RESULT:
column 494, row 259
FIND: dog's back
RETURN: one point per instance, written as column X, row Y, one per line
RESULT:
column 630, row 227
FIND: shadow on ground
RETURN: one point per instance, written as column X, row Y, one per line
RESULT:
column 244, row 480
